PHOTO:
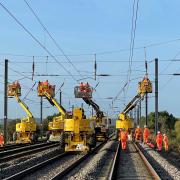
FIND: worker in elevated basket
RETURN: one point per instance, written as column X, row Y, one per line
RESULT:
column 81, row 87
column 166, row 142
column 1, row 140
column 146, row 134
column 123, row 138
column 159, row 140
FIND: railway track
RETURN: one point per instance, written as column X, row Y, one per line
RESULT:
column 131, row 164
column 55, row 167
column 14, row 146
column 23, row 151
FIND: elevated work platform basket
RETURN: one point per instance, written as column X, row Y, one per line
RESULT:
column 145, row 86
column 46, row 87
column 80, row 92
column 14, row 89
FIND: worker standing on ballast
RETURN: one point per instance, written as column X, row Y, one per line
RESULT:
column 159, row 140
column 166, row 142
column 1, row 140
column 123, row 138
column 138, row 134
column 146, row 134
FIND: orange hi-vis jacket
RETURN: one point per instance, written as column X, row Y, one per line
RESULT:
column 123, row 136
column 159, row 138
column 1, row 139
column 138, row 131
column 146, row 132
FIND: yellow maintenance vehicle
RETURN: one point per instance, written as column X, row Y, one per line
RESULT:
column 124, row 121
column 79, row 133
column 101, row 122
column 26, row 129
column 55, row 128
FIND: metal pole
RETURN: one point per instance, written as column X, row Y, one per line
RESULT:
column 156, row 95
column 135, row 118
column 139, row 112
column 95, row 67
column 5, row 100
column 146, row 107
column 41, row 114
column 137, row 115
column 60, row 97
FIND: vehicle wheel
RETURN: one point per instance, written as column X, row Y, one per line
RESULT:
column 47, row 135
column 14, row 136
column 92, row 141
column 62, row 140
column 117, row 134
column 34, row 138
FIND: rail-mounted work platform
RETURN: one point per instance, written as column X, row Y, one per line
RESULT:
column 84, row 91
column 14, row 89
column 46, row 87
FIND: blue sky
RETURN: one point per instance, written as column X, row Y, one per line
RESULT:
column 83, row 28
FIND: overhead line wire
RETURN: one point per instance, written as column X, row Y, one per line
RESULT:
column 36, row 40
column 49, row 34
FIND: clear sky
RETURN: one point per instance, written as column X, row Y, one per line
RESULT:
column 83, row 28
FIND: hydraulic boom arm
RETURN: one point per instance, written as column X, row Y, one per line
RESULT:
column 95, row 107
column 55, row 103
column 132, row 104
column 24, row 106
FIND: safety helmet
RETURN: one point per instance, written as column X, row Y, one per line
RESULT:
column 158, row 132
column 164, row 134
column 138, row 126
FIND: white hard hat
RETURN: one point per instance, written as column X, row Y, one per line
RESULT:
column 164, row 134
column 145, row 126
column 158, row 132
column 138, row 126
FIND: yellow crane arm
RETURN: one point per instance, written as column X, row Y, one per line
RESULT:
column 133, row 103
column 54, row 102
column 24, row 106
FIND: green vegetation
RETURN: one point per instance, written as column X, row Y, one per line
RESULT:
column 167, row 124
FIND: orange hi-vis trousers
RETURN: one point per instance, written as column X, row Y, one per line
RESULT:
column 123, row 145
column 145, row 138
column 166, row 143
column 1, row 140
column 166, row 146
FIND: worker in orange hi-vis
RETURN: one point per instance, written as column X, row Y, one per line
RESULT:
column 146, row 134
column 166, row 142
column 123, row 138
column 138, row 133
column 87, row 87
column 159, row 140
column 1, row 140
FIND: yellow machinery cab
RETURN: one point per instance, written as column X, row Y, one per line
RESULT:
column 79, row 132
column 26, row 129
column 55, row 128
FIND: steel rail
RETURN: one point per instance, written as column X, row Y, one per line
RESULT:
column 113, row 170
column 23, row 148
column 147, row 164
column 12, row 146
column 35, row 168
column 26, row 151
column 79, row 161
